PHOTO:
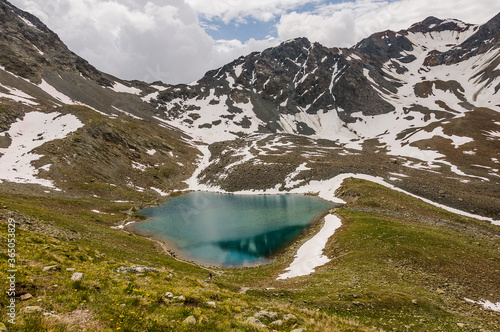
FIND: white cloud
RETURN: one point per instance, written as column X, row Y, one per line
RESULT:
column 164, row 40
column 262, row 10
column 345, row 24
column 145, row 40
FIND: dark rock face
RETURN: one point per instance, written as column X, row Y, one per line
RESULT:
column 382, row 46
column 296, row 76
column 27, row 46
column 300, row 78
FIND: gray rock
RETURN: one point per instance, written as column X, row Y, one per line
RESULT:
column 415, row 302
column 26, row 296
column 77, row 276
column 169, row 295
column 243, row 290
column 51, row 268
column 289, row 318
column 136, row 269
column 266, row 314
column 191, row 320
column 181, row 298
column 212, row 304
column 276, row 323
column 255, row 322
column 32, row 308
column 70, row 269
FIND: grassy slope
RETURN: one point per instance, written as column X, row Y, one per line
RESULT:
column 398, row 264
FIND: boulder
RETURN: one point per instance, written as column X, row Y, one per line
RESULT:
column 266, row 314
column 289, row 318
column 255, row 322
column 191, row 320
column 77, row 276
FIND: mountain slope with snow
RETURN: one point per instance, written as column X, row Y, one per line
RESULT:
column 426, row 99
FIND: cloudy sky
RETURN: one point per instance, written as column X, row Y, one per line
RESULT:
column 177, row 41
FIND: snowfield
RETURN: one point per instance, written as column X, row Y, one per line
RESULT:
column 34, row 130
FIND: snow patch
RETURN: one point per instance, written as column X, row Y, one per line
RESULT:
column 159, row 191
column 17, row 95
column 119, row 87
column 139, row 166
column 34, row 130
column 126, row 113
column 55, row 93
column 486, row 304
column 310, row 254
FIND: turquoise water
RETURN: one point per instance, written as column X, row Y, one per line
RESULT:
column 231, row 230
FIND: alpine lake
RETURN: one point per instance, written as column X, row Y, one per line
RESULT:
column 229, row 230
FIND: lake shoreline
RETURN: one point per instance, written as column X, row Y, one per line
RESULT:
column 172, row 249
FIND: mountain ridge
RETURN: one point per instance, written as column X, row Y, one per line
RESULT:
column 384, row 98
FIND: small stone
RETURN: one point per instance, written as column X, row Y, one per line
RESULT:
column 191, row 320
column 255, row 322
column 136, row 269
column 26, row 296
column 440, row 291
column 51, row 268
column 77, row 276
column 212, row 304
column 169, row 295
column 276, row 323
column 243, row 290
column 181, row 298
column 289, row 318
column 32, row 308
column 415, row 302
column 69, row 269
column 461, row 325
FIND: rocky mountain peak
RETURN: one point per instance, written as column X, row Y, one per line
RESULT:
column 434, row 24
column 484, row 38
column 384, row 45
column 28, row 47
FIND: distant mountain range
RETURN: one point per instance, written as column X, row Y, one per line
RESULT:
column 419, row 107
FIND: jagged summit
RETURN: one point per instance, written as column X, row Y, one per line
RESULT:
column 28, row 46
column 434, row 24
